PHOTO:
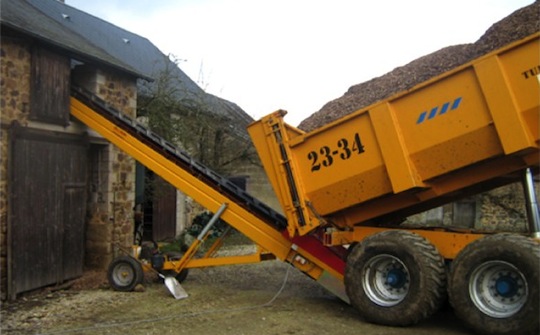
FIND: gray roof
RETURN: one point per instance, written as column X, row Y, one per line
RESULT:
column 22, row 16
column 89, row 38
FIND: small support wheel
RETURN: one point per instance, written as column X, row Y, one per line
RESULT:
column 124, row 273
column 395, row 278
column 493, row 285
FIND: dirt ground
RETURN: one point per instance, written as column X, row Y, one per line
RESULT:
column 265, row 299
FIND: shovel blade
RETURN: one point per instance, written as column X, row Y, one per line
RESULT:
column 175, row 288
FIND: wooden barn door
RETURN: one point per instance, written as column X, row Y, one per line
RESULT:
column 48, row 207
column 163, row 210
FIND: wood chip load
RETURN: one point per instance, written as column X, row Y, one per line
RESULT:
column 516, row 26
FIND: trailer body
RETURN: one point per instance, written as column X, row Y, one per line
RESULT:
column 451, row 136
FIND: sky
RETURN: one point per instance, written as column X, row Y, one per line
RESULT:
column 297, row 55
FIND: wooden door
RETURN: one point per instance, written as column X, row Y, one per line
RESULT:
column 163, row 211
column 47, row 208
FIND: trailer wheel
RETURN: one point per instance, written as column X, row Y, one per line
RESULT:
column 124, row 273
column 493, row 285
column 395, row 278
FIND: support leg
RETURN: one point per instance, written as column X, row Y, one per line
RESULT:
column 531, row 204
column 200, row 239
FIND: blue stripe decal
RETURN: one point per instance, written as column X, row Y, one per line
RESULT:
column 444, row 108
column 456, row 103
column 433, row 112
column 421, row 118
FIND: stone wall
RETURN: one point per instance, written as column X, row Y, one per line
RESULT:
column 14, row 101
column 501, row 209
column 258, row 184
column 111, row 200
column 112, row 172
column 14, row 81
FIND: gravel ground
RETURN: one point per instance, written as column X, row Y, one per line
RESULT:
column 265, row 298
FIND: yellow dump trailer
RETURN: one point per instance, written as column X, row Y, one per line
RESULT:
column 468, row 127
column 352, row 181
column 345, row 188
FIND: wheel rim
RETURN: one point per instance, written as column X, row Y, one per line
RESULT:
column 498, row 289
column 386, row 280
column 123, row 275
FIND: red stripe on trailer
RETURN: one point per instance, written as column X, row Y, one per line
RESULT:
column 312, row 245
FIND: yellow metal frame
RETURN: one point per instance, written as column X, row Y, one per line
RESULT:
column 269, row 239
column 238, row 217
column 449, row 244
column 282, row 172
column 210, row 261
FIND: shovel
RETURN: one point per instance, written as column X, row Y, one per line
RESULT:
column 172, row 284
column 174, row 287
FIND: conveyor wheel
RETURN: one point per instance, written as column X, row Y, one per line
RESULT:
column 176, row 256
column 124, row 273
column 493, row 285
column 395, row 278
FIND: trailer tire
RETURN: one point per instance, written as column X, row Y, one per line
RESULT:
column 395, row 278
column 124, row 273
column 493, row 285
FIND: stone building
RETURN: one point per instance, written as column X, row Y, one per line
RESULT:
column 67, row 195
